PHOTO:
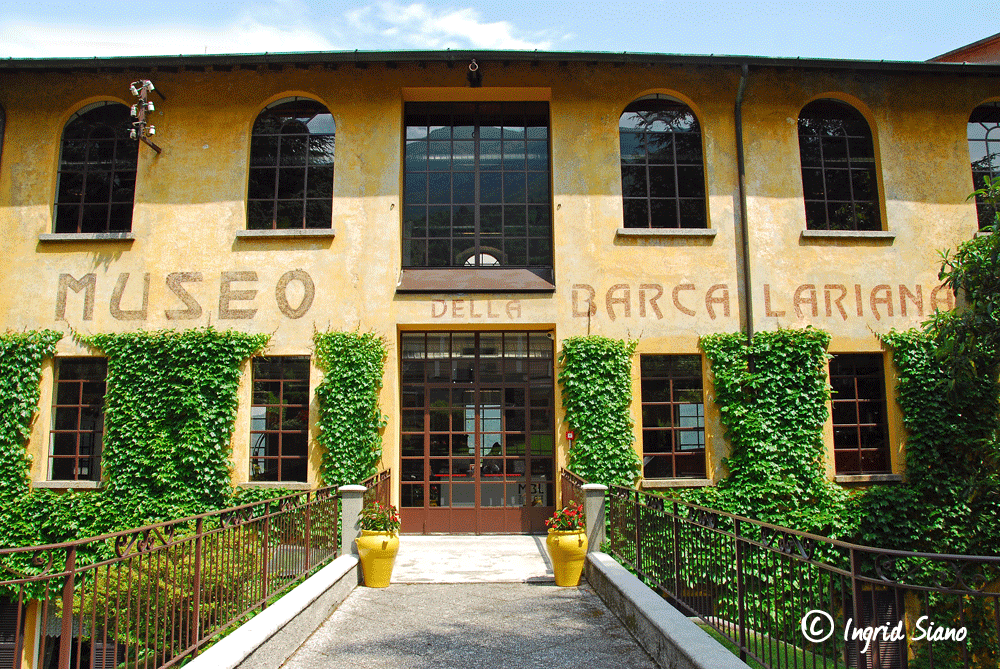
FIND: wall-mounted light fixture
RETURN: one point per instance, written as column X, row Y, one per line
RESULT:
column 141, row 129
column 474, row 75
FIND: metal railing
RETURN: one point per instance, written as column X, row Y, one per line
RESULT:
column 152, row 596
column 571, row 488
column 379, row 487
column 785, row 598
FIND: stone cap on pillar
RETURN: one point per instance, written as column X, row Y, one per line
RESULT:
column 593, row 486
column 352, row 488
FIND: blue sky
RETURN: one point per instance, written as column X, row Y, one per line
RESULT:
column 869, row 30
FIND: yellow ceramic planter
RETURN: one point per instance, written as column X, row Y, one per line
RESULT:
column 377, row 552
column 567, row 550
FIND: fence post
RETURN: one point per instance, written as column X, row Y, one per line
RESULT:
column 677, row 551
column 636, row 502
column 309, row 503
column 66, row 632
column 199, row 558
column 593, row 511
column 741, row 591
column 352, row 499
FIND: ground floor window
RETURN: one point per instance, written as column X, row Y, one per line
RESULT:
column 477, row 423
column 673, row 417
column 279, row 422
column 77, row 419
column 860, row 434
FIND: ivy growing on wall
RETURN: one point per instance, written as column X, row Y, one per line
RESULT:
column 350, row 422
column 169, row 412
column 596, row 378
column 772, row 394
column 21, row 356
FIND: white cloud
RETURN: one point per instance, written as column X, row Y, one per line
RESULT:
column 245, row 34
column 421, row 27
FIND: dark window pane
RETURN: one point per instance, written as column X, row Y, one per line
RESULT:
column 292, row 150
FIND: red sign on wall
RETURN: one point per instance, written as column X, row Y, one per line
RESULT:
column 570, row 435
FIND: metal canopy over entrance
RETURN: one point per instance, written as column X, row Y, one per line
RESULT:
column 477, row 431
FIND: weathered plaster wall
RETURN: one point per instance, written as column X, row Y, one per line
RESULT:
column 664, row 291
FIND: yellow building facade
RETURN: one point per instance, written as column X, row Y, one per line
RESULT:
column 476, row 219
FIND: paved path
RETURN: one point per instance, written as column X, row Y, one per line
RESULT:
column 468, row 602
column 472, row 626
column 471, row 559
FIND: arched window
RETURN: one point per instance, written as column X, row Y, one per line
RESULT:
column 97, row 171
column 291, row 167
column 984, row 152
column 838, row 168
column 663, row 173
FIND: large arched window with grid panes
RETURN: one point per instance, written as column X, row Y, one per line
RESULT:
column 984, row 153
column 291, row 166
column 663, row 172
column 97, row 165
column 839, row 182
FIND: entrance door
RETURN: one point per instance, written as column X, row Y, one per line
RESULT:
column 477, row 432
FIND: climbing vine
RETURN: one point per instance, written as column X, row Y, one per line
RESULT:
column 596, row 378
column 350, row 422
column 21, row 356
column 772, row 394
column 169, row 412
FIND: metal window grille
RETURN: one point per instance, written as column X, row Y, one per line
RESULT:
column 78, row 419
column 477, row 190
column 860, row 433
column 663, row 173
column 984, row 153
column 97, row 169
column 839, row 183
column 290, row 184
column 279, row 419
column 673, row 417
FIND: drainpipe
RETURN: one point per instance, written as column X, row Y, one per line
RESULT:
column 746, row 306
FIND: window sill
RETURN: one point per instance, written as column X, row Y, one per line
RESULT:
column 297, row 233
column 86, row 237
column 692, row 233
column 67, row 485
column 860, row 235
column 868, row 478
column 285, row 485
column 677, row 483
column 472, row 280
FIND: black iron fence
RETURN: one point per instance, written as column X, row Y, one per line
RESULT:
column 152, row 596
column 785, row 598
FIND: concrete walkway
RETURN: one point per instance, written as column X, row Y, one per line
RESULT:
column 468, row 602
column 471, row 559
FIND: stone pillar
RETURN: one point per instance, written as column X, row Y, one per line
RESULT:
column 593, row 508
column 352, row 498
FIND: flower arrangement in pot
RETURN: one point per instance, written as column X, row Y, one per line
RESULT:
column 378, row 543
column 567, row 544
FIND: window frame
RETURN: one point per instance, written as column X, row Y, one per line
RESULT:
column 816, row 192
column 844, row 444
column 681, row 191
column 258, row 438
column 96, row 433
column 120, row 167
column 483, row 236
column 317, row 209
column 985, row 212
column 649, row 375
